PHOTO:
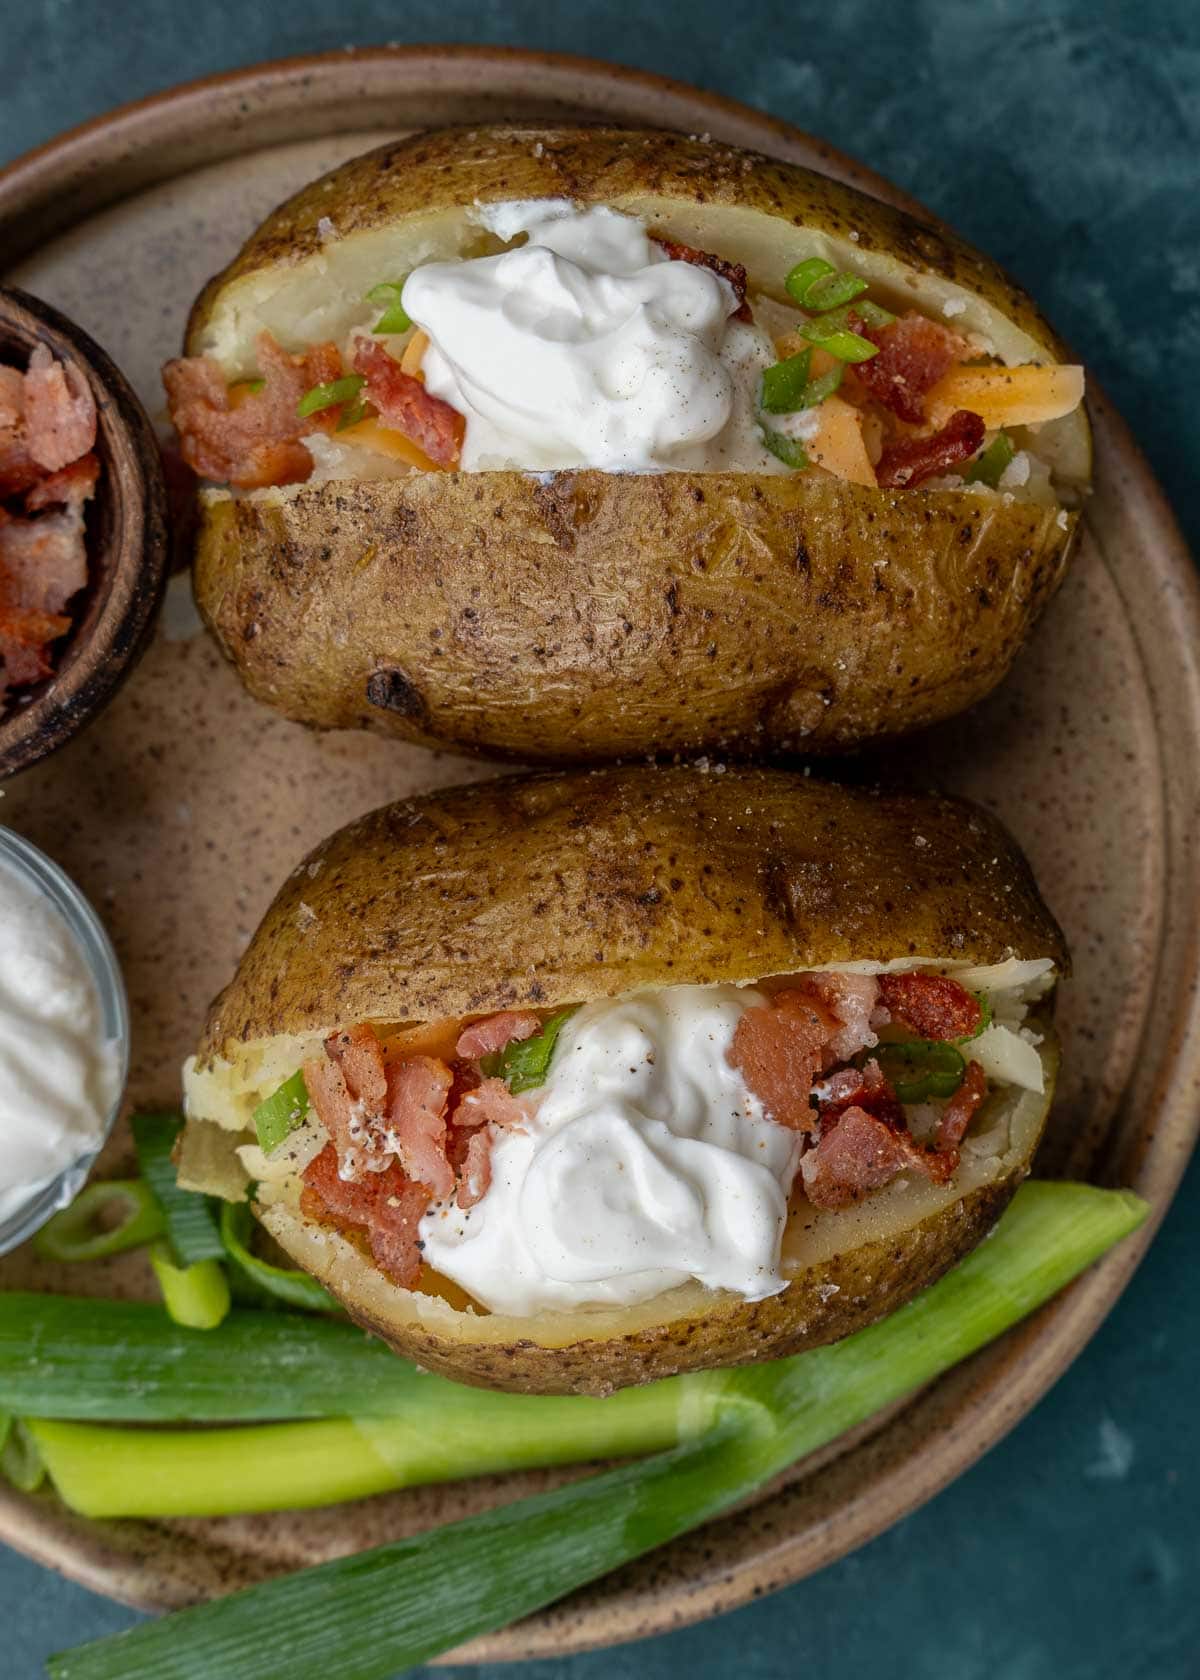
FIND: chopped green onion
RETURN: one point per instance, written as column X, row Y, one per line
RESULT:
column 365, row 1617
column 834, row 290
column 523, row 1064
column 920, row 1068
column 990, row 466
column 191, row 1228
column 352, row 414
column 284, row 1284
column 818, row 389
column 194, row 1296
column 20, row 1461
column 325, row 396
column 985, row 1018
column 783, row 385
column 253, row 386
column 788, row 450
column 105, row 1218
column 872, row 315
column 806, row 274
column 64, row 1356
column 833, row 333
column 281, row 1113
column 394, row 318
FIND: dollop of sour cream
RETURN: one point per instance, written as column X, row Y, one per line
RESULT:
column 646, row 1161
column 587, row 347
column 59, row 1074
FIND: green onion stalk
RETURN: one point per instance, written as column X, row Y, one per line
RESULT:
column 368, row 1616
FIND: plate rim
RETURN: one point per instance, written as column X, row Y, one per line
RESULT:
column 119, row 146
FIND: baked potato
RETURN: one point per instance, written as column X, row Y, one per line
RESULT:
column 859, row 551
column 492, row 957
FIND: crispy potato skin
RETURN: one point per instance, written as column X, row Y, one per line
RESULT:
column 551, row 889
column 871, row 1281
column 598, row 165
column 598, row 615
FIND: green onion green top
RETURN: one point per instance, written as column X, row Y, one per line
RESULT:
column 788, row 450
column 920, row 1068
column 989, row 467
column 191, row 1229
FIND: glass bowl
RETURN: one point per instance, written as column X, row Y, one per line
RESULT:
column 35, row 867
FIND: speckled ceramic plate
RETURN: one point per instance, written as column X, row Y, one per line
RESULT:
column 181, row 809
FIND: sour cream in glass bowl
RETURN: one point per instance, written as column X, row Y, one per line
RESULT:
column 64, row 1039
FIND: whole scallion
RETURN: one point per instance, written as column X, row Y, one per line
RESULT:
column 191, row 1226
column 195, row 1296
column 368, row 1616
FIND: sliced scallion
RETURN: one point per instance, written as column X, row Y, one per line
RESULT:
column 326, row 396
column 105, row 1218
column 280, row 1114
column 191, row 1227
column 788, row 450
column 395, row 318
column 352, row 414
column 833, row 290
column 833, row 332
column 783, row 385
column 985, row 1018
column 365, row 1617
column 282, row 1283
column 920, row 1068
column 805, row 274
column 989, row 468
column 523, row 1063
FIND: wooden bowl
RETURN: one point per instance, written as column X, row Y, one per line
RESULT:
column 126, row 545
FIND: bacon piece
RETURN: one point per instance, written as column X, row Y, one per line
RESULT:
column 405, row 405
column 12, row 399
column 732, row 272
column 255, row 441
column 961, row 1110
column 491, row 1102
column 18, row 469
column 914, row 353
column 417, row 1089
column 858, row 1154
column 348, row 1088
column 70, row 486
column 780, row 1048
column 43, row 561
column 494, row 1032
column 475, row 1174
column 60, row 412
column 933, row 1005
column 852, row 999
column 906, row 464
column 386, row 1207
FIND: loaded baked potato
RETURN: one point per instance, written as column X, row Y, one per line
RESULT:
column 565, row 1083
column 579, row 442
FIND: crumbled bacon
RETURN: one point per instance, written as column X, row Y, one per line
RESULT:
column 475, row 1174
column 406, row 406
column 255, row 440
column 60, row 412
column 348, row 1088
column 858, row 1154
column 386, row 1207
column 852, row 999
column 416, row 1121
column 961, row 1109
column 492, row 1102
column 494, row 1032
column 914, row 353
column 732, row 272
column 907, row 463
column 69, row 487
column 780, row 1048
column 933, row 1005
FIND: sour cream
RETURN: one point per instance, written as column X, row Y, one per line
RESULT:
column 587, row 347
column 646, row 1161
column 60, row 1075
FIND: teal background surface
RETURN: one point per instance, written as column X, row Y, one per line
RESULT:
column 1064, row 138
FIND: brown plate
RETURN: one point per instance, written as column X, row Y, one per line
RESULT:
column 186, row 804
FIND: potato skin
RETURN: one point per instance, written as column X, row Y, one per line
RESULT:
column 444, row 168
column 599, row 616
column 871, row 1280
column 552, row 889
